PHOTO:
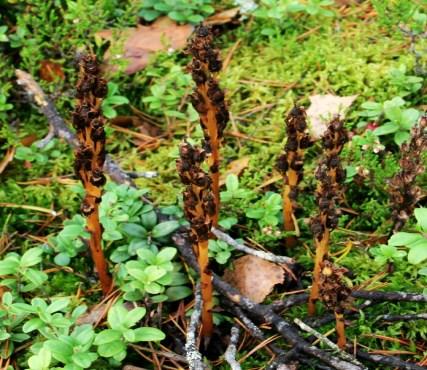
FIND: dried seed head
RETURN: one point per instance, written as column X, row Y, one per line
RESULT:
column 404, row 193
column 334, row 292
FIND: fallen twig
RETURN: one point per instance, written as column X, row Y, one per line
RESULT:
column 230, row 353
column 389, row 296
column 329, row 343
column 192, row 354
column 392, row 361
column 407, row 317
column 284, row 328
column 243, row 248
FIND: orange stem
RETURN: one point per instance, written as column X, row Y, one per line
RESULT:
column 340, row 329
column 322, row 249
column 207, row 290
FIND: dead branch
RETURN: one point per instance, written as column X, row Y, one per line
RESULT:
column 407, row 317
column 192, row 353
column 392, row 361
column 344, row 355
column 284, row 328
column 230, row 353
column 243, row 248
column 389, row 296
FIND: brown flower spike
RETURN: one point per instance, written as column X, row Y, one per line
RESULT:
column 208, row 101
column 290, row 165
column 329, row 174
column 90, row 155
column 335, row 295
column 404, row 194
column 199, row 208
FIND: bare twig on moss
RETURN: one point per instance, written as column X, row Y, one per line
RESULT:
column 404, row 193
column 231, row 351
column 90, row 156
column 290, row 164
column 392, row 362
column 330, row 174
column 194, row 358
column 208, row 101
column 243, row 248
column 389, row 296
column 199, row 209
column 284, row 328
column 329, row 343
column 407, row 317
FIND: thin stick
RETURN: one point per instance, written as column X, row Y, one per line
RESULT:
column 243, row 248
column 329, row 343
column 192, row 354
column 230, row 353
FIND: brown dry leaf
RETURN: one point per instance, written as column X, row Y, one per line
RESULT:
column 323, row 108
column 139, row 43
column 96, row 314
column 10, row 152
column 235, row 168
column 144, row 126
column 254, row 277
column 226, row 16
column 50, row 71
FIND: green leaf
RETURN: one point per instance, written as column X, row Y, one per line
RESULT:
column 60, row 350
column 31, row 257
column 256, row 213
column 134, row 316
column 227, row 223
column 62, row 259
column 135, row 230
column 107, row 336
column 147, row 334
column 166, row 255
column 400, row 137
column 112, row 349
column 58, row 305
column 418, row 253
column 117, row 100
column 84, row 359
column 129, row 335
column 41, row 360
column 232, row 182
column 409, row 118
column 176, row 293
column 164, row 228
column 421, row 216
column 32, row 325
column 404, row 239
column 116, row 316
column 9, row 266
column 387, row 128
column 149, row 219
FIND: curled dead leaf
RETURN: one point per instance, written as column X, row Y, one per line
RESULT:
column 140, row 42
column 235, row 168
column 254, row 277
column 323, row 108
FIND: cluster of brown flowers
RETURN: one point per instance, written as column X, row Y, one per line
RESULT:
column 336, row 295
column 90, row 155
column 290, row 164
column 208, row 100
column 329, row 174
column 200, row 208
column 404, row 193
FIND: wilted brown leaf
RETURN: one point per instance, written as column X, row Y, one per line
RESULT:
column 226, row 16
column 254, row 277
column 95, row 315
column 50, row 71
column 139, row 43
column 235, row 168
column 323, row 108
column 8, row 157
